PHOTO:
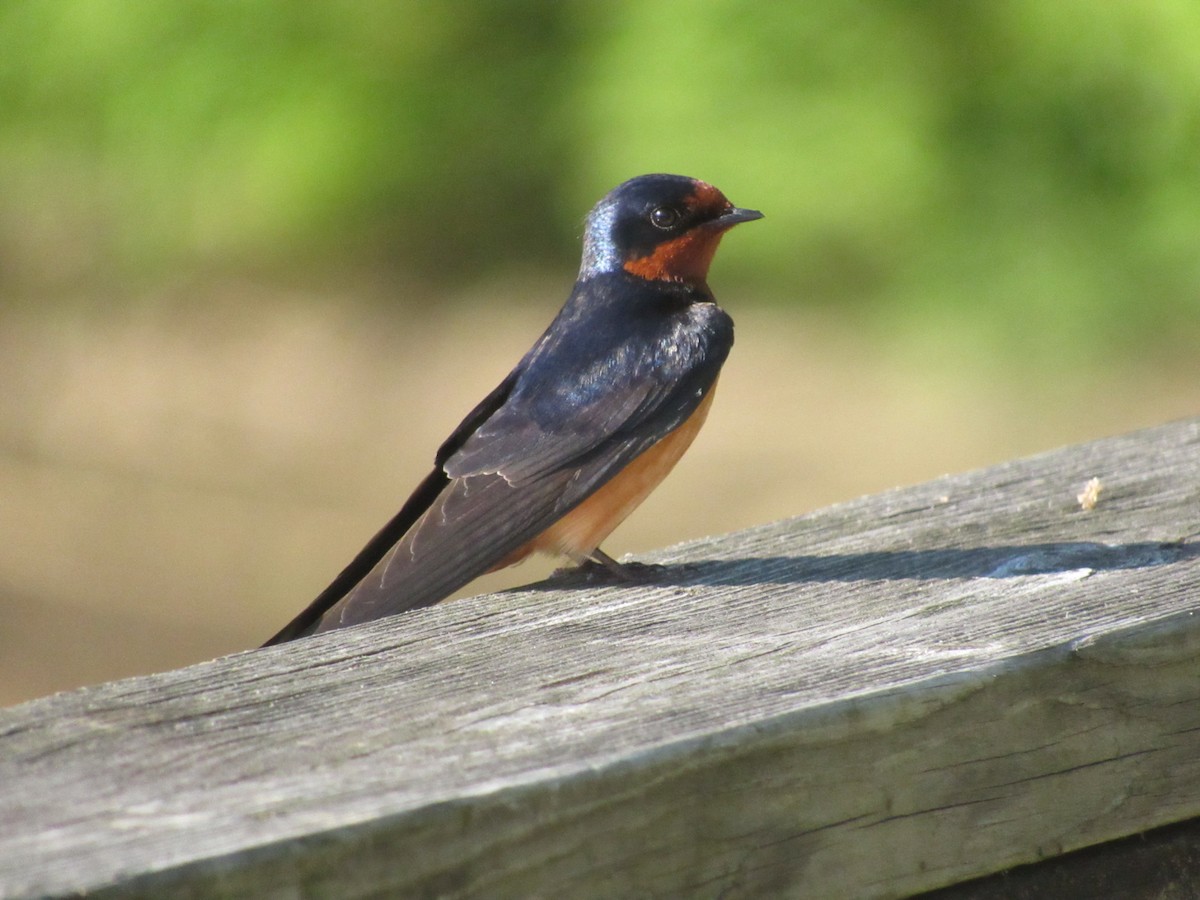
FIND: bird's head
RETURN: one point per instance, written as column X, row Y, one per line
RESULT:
column 660, row 228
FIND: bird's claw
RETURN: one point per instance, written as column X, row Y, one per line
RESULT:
column 607, row 569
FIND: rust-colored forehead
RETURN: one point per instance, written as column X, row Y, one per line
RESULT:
column 706, row 198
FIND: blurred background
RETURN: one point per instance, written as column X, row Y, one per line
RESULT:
column 258, row 259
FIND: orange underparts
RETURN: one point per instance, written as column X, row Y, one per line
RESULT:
column 579, row 532
column 686, row 258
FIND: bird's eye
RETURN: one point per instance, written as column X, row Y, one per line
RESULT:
column 663, row 217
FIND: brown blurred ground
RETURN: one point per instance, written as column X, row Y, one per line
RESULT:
column 178, row 480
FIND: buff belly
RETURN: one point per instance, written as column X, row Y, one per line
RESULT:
column 580, row 532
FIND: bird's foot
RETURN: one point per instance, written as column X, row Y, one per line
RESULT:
column 600, row 567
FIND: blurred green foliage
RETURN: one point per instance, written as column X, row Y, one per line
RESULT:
column 1031, row 169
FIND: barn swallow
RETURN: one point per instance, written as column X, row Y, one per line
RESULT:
column 577, row 435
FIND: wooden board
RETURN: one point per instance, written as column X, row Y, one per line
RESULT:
column 883, row 697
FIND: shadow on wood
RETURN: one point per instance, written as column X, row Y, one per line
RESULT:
column 1011, row 561
column 1163, row 864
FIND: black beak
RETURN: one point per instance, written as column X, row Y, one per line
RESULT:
column 735, row 215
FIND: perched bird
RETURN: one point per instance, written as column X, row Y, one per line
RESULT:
column 578, row 434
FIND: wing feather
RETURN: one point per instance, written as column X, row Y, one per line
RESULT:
column 475, row 521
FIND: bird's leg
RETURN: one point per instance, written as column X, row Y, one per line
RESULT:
column 597, row 564
column 616, row 569
column 627, row 572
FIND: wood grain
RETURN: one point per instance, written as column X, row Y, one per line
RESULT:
column 887, row 696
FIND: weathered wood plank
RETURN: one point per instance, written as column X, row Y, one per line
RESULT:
column 883, row 697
